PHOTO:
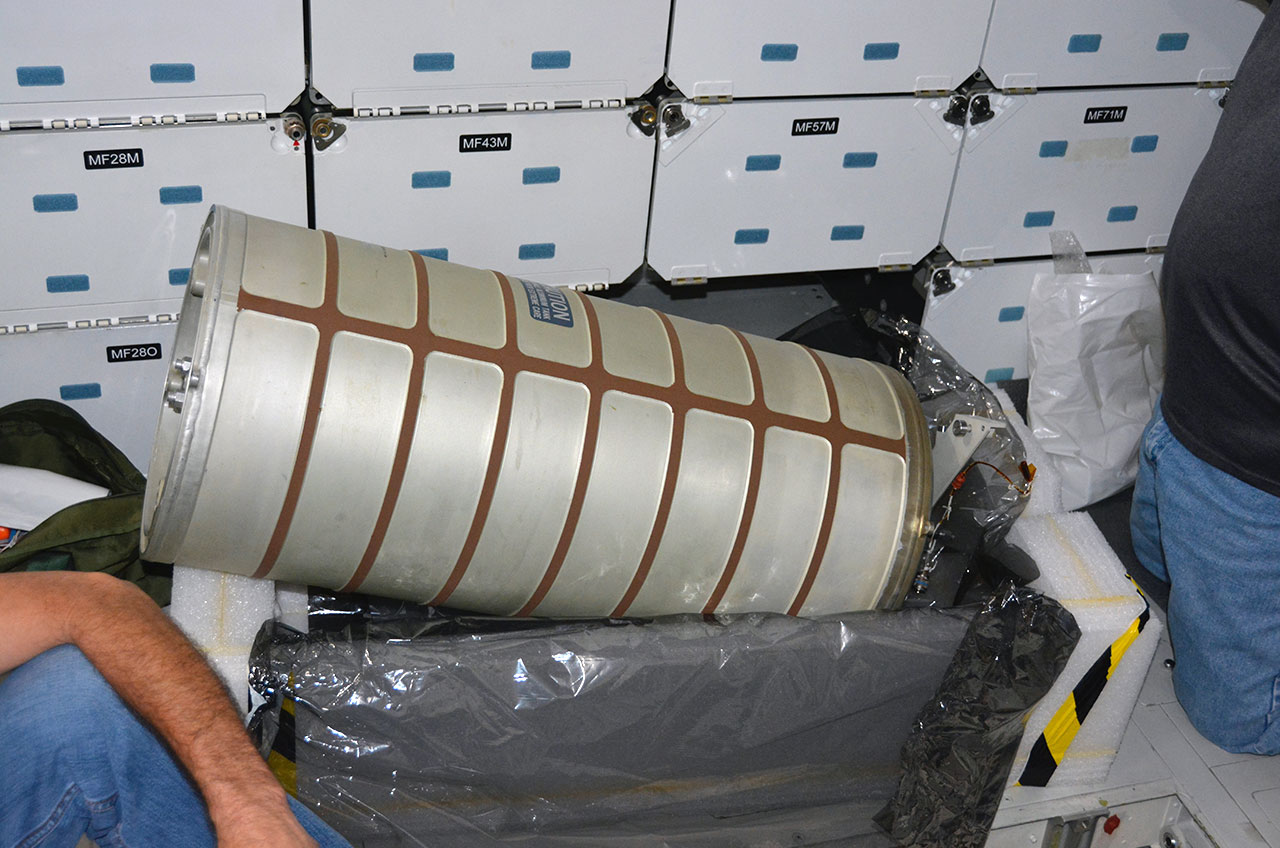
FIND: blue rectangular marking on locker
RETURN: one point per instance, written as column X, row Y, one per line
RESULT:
column 779, row 52
column 1038, row 219
column 546, row 60
column 884, row 51
column 1084, row 43
column 431, row 179
column 37, row 75
column 1011, row 313
column 168, row 72
column 861, row 160
column 179, row 276
column 537, row 250
column 1144, row 143
column 55, row 202
column 1053, row 149
column 1172, row 42
column 431, row 62
column 764, row 162
column 80, row 391
column 174, row 195
column 62, row 283
column 537, row 176
column 1121, row 214
column 751, row 236
column 852, row 232
column 997, row 375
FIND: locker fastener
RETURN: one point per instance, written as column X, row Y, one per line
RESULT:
column 325, row 130
column 957, row 110
column 674, row 120
column 980, row 110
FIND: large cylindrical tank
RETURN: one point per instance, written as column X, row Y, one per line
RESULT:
column 368, row 419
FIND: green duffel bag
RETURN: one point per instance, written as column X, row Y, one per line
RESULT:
column 96, row 535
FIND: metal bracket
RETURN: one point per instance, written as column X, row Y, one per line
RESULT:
column 955, row 445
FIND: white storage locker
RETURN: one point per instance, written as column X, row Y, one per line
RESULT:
column 114, row 376
column 411, row 53
column 979, row 314
column 774, row 186
column 1034, row 44
column 762, row 48
column 103, row 223
column 1111, row 165
column 86, row 50
column 559, row 197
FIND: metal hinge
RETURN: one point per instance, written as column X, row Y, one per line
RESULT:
column 83, row 115
column 88, row 323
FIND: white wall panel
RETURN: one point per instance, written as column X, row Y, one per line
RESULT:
column 982, row 321
column 1101, row 42
column 559, row 197
column 760, row 187
column 1111, row 165
column 118, row 393
column 762, row 48
column 155, row 49
column 415, row 53
column 80, row 243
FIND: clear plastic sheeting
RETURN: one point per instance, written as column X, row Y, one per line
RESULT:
column 405, row 726
column 958, row 757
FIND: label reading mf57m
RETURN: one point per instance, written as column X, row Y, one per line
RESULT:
column 482, row 143
column 133, row 353
column 548, row 304
column 815, row 126
column 97, row 160
column 1106, row 114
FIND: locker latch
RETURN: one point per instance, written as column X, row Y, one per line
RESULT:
column 673, row 120
column 646, row 119
column 942, row 282
column 980, row 110
column 957, row 110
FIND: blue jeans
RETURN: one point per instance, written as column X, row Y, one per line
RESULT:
column 1216, row 540
column 74, row 760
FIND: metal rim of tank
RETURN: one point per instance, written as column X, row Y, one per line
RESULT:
column 193, row 385
column 919, row 460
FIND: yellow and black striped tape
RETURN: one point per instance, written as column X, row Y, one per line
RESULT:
column 283, row 757
column 1047, row 753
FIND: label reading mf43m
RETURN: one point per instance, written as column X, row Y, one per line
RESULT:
column 133, row 353
column 484, row 143
column 548, row 304
column 97, row 160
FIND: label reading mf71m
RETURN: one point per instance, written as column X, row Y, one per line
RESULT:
column 133, row 353
column 97, row 160
column 1106, row 114
column 480, row 143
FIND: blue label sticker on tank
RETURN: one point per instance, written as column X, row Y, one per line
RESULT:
column 1011, row 313
column 179, row 276
column 550, row 60
column 55, row 203
column 1172, row 42
column 1121, row 214
column 41, row 75
column 173, row 72
column 428, row 62
column 883, row 51
column 997, row 375
column 80, row 391
column 1084, row 43
column 1038, row 219
column 852, row 232
column 548, row 304
column 173, row 195
column 62, row 283
column 1144, row 143
column 779, row 52
column 441, row 253
column 1053, row 149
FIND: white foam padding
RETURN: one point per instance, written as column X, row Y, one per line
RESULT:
column 1046, row 488
column 1079, row 570
column 291, row 605
column 221, row 614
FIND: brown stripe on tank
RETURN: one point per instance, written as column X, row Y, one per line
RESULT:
column 668, row 480
column 753, row 480
column 408, row 426
column 319, row 375
column 585, row 464
column 833, row 488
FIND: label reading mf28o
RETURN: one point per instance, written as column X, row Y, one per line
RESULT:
column 97, row 160
column 483, row 143
column 548, row 304
column 133, row 353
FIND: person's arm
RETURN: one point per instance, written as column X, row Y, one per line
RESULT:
column 161, row 675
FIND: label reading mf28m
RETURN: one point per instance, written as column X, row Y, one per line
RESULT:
column 133, row 353
column 483, row 143
column 548, row 304
column 815, row 126
column 97, row 160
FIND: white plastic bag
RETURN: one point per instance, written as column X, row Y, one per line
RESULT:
column 1096, row 348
